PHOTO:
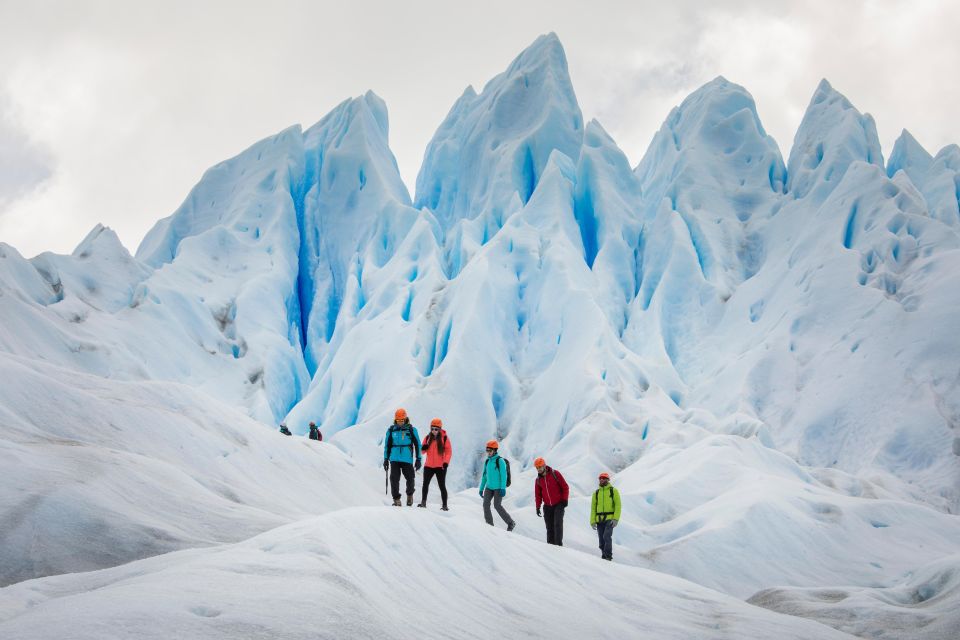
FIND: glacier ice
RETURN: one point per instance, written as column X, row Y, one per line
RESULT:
column 762, row 352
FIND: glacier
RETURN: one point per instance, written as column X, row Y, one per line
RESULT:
column 762, row 351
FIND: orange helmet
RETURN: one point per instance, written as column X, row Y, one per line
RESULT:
column 604, row 475
column 400, row 414
column 539, row 462
column 492, row 444
column 436, row 422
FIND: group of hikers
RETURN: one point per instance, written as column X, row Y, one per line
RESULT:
column 402, row 449
column 404, row 453
column 313, row 435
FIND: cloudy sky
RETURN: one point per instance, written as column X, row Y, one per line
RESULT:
column 111, row 111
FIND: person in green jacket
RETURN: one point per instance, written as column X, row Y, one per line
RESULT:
column 493, row 485
column 605, row 514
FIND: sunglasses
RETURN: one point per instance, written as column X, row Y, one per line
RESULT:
column 490, row 449
column 434, row 428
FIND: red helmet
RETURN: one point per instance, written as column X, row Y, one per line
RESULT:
column 401, row 414
column 604, row 475
column 539, row 462
column 436, row 422
column 492, row 444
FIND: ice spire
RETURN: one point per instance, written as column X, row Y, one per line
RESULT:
column 936, row 177
column 351, row 189
column 832, row 135
column 490, row 151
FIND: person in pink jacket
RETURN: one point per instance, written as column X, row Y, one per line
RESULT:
column 438, row 450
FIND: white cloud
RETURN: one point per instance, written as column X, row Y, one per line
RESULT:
column 24, row 165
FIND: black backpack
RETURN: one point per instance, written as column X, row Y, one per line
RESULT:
column 401, row 427
column 596, row 497
column 507, row 462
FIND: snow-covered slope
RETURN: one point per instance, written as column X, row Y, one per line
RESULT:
column 100, row 472
column 382, row 573
column 922, row 606
column 763, row 352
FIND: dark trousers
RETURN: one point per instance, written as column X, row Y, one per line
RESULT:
column 441, row 473
column 489, row 495
column 553, row 518
column 396, row 468
column 605, row 533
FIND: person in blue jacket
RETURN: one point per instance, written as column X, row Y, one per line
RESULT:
column 493, row 485
column 400, row 444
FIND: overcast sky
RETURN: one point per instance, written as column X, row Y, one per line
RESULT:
column 111, row 111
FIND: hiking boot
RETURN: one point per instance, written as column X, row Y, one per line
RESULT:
column 410, row 500
column 444, row 508
column 422, row 505
column 511, row 526
column 396, row 503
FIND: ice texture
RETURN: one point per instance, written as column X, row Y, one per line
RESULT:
column 764, row 354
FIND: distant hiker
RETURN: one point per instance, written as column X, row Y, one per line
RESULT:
column 315, row 432
column 284, row 430
column 399, row 448
column 551, row 490
column 494, row 483
column 605, row 514
column 438, row 450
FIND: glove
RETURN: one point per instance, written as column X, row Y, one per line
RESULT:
column 417, row 466
column 481, row 493
column 386, row 464
column 563, row 503
column 613, row 523
column 594, row 526
column 445, row 465
column 539, row 515
column 502, row 492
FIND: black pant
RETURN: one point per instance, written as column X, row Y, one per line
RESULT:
column 396, row 468
column 441, row 473
column 605, row 534
column 553, row 518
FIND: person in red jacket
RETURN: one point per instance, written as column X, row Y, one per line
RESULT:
column 438, row 451
column 552, row 492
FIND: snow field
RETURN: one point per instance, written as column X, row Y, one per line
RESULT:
column 381, row 572
column 102, row 472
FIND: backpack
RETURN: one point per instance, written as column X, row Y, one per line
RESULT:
column 400, row 427
column 507, row 462
column 596, row 497
column 553, row 472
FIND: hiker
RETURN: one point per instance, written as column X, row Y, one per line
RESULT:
column 315, row 432
column 284, row 430
column 605, row 514
column 494, row 483
column 551, row 490
column 399, row 448
column 438, row 450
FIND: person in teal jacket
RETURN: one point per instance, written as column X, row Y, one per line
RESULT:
column 493, row 485
column 400, row 444
column 605, row 514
